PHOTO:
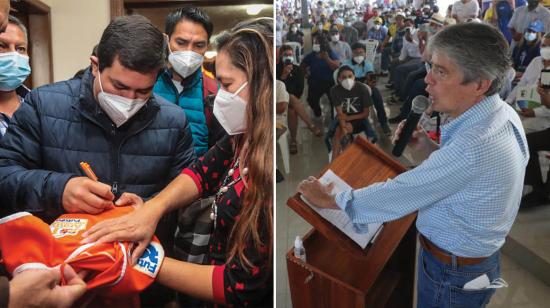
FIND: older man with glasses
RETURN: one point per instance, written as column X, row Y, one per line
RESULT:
column 467, row 192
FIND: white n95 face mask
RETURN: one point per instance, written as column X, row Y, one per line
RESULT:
column 316, row 47
column 359, row 59
column 545, row 53
column 348, row 83
column 186, row 62
column 119, row 108
column 230, row 110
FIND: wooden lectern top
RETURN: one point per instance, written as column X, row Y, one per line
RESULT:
column 360, row 165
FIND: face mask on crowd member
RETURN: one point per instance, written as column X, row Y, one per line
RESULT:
column 185, row 62
column 120, row 91
column 358, row 55
column 231, row 100
column 534, row 27
column 14, row 61
column 347, row 79
column 545, row 49
column 293, row 29
column 530, row 36
column 320, row 27
column 288, row 56
column 14, row 69
column 187, row 44
column 316, row 48
column 358, row 59
column 229, row 109
column 119, row 108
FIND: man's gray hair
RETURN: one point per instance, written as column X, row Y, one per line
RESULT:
column 480, row 51
column 14, row 20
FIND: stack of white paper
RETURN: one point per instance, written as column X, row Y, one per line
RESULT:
column 338, row 217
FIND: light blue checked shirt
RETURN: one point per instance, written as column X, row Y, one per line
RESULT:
column 467, row 192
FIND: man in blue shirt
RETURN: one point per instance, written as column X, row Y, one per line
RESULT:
column 361, row 69
column 319, row 65
column 467, row 192
column 185, row 83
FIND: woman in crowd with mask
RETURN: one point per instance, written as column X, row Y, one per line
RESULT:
column 14, row 69
column 238, row 170
column 528, row 48
column 532, row 75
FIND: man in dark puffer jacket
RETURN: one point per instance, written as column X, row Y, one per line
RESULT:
column 133, row 141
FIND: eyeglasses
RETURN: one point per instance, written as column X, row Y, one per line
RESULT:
column 437, row 73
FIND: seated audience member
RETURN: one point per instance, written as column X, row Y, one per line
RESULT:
column 377, row 32
column 349, row 33
column 281, row 101
column 319, row 65
column 14, row 69
column 464, row 9
column 532, row 73
column 295, row 35
column 293, row 78
column 522, row 17
column 362, row 69
column 393, row 43
column 538, row 141
column 185, row 82
column 360, row 65
column 341, row 49
column 528, row 47
column 410, row 48
column 109, row 118
column 409, row 56
column 281, row 105
column 352, row 102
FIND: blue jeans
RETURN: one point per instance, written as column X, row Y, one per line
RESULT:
column 440, row 285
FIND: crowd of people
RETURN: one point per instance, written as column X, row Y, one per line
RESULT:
column 160, row 131
column 390, row 38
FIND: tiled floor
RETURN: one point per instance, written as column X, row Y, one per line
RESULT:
column 531, row 227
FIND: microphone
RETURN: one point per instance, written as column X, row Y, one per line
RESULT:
column 419, row 104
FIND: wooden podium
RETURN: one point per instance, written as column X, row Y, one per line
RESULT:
column 338, row 273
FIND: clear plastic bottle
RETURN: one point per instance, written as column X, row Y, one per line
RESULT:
column 299, row 250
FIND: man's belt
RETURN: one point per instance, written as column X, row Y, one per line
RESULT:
column 443, row 256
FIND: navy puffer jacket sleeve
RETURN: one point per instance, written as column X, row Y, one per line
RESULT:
column 22, row 182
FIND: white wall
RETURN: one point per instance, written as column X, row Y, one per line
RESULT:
column 77, row 26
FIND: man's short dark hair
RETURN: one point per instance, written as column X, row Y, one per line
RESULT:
column 285, row 48
column 137, row 43
column 357, row 45
column 344, row 68
column 190, row 13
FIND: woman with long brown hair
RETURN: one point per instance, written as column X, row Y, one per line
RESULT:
column 238, row 170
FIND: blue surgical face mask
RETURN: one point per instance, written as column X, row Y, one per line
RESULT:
column 530, row 36
column 14, row 69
